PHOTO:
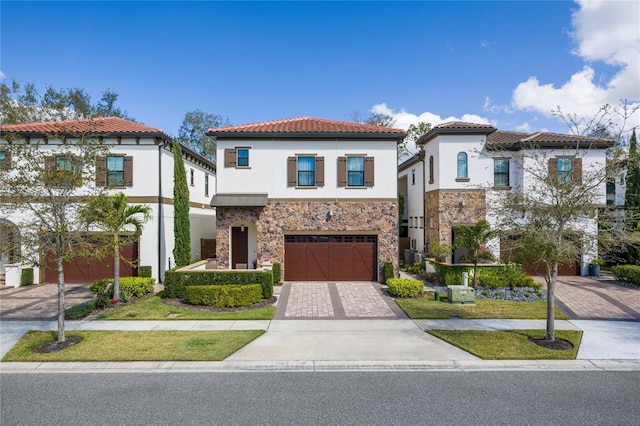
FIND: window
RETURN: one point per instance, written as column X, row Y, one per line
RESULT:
column 64, row 163
column 565, row 169
column 306, row 171
column 462, row 165
column 61, row 172
column 206, row 185
column 243, row 157
column 501, row 172
column 431, row 169
column 355, row 171
column 611, row 193
column 5, row 162
column 413, row 177
column 191, row 177
column 115, row 171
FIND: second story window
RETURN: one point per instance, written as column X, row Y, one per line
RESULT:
column 501, row 172
column 206, row 185
column 431, row 169
column 565, row 169
column 243, row 157
column 413, row 177
column 306, row 171
column 355, row 171
column 192, row 178
column 61, row 172
column 115, row 171
column 611, row 193
column 5, row 160
column 463, row 171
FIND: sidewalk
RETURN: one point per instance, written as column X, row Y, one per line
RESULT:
column 364, row 345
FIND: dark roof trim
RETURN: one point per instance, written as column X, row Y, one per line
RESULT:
column 239, row 200
column 411, row 161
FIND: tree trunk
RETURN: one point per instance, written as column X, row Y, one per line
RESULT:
column 551, row 304
column 116, row 271
column 61, row 337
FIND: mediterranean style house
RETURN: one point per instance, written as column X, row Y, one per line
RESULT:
column 318, row 196
column 140, row 164
column 462, row 166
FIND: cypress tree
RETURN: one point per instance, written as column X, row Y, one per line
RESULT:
column 181, row 226
column 632, row 194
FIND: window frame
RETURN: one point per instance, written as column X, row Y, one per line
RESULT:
column 565, row 175
column 501, row 173
column 312, row 162
column 239, row 157
column 360, row 172
column 462, row 159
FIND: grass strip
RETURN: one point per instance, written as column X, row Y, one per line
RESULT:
column 152, row 308
column 509, row 344
column 135, row 345
column 426, row 308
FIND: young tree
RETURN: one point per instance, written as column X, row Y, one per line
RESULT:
column 181, row 224
column 46, row 187
column 632, row 194
column 475, row 239
column 122, row 223
column 192, row 132
column 414, row 132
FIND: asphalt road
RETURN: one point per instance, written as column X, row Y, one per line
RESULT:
column 386, row 398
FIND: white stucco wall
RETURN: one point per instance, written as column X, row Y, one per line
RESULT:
column 414, row 201
column 267, row 172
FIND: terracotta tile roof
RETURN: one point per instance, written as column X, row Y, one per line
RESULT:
column 503, row 137
column 463, row 125
column 305, row 125
column 99, row 125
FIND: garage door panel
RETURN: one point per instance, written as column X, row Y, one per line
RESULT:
column 334, row 257
column 84, row 270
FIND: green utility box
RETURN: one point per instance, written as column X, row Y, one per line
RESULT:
column 461, row 294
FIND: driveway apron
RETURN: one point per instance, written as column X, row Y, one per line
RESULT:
column 39, row 302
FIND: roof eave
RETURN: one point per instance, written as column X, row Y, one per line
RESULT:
column 304, row 135
column 434, row 133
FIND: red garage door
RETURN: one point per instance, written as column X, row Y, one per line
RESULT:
column 510, row 254
column 83, row 270
column 330, row 257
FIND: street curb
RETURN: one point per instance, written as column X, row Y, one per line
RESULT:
column 314, row 366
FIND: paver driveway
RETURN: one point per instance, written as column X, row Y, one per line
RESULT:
column 39, row 302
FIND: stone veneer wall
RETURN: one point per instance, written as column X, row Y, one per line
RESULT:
column 443, row 206
column 278, row 217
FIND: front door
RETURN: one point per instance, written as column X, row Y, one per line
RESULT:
column 239, row 247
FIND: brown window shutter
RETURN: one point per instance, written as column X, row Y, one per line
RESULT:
column 576, row 170
column 368, row 171
column 319, row 171
column 342, row 171
column 128, row 171
column 230, row 159
column 292, row 171
column 101, row 172
column 553, row 169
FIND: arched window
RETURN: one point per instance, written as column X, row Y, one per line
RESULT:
column 463, row 171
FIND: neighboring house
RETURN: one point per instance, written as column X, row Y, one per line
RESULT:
column 318, row 196
column 466, row 164
column 411, row 186
column 140, row 164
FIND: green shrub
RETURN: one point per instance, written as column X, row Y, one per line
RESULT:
column 416, row 268
column 80, row 310
column 488, row 276
column 26, row 276
column 387, row 271
column 175, row 282
column 144, row 271
column 277, row 272
column 136, row 286
column 223, row 296
column 626, row 273
column 403, row 287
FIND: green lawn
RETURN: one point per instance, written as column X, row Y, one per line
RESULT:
column 510, row 344
column 152, row 308
column 135, row 345
column 427, row 308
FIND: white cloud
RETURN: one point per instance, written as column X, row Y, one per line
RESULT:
column 403, row 119
column 603, row 31
column 2, row 75
column 485, row 43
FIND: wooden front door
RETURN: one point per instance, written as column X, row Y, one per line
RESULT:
column 239, row 247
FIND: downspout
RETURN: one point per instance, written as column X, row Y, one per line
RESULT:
column 160, row 263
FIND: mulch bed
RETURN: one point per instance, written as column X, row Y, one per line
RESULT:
column 558, row 344
column 178, row 303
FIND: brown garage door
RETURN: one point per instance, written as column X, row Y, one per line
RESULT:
column 330, row 257
column 509, row 254
column 83, row 270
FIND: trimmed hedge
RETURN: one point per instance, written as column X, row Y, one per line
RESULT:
column 80, row 310
column 223, row 296
column 626, row 273
column 144, row 271
column 277, row 272
column 26, row 276
column 488, row 276
column 175, row 282
column 137, row 286
column 387, row 271
column 404, row 287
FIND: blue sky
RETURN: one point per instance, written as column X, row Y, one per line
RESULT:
column 506, row 63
